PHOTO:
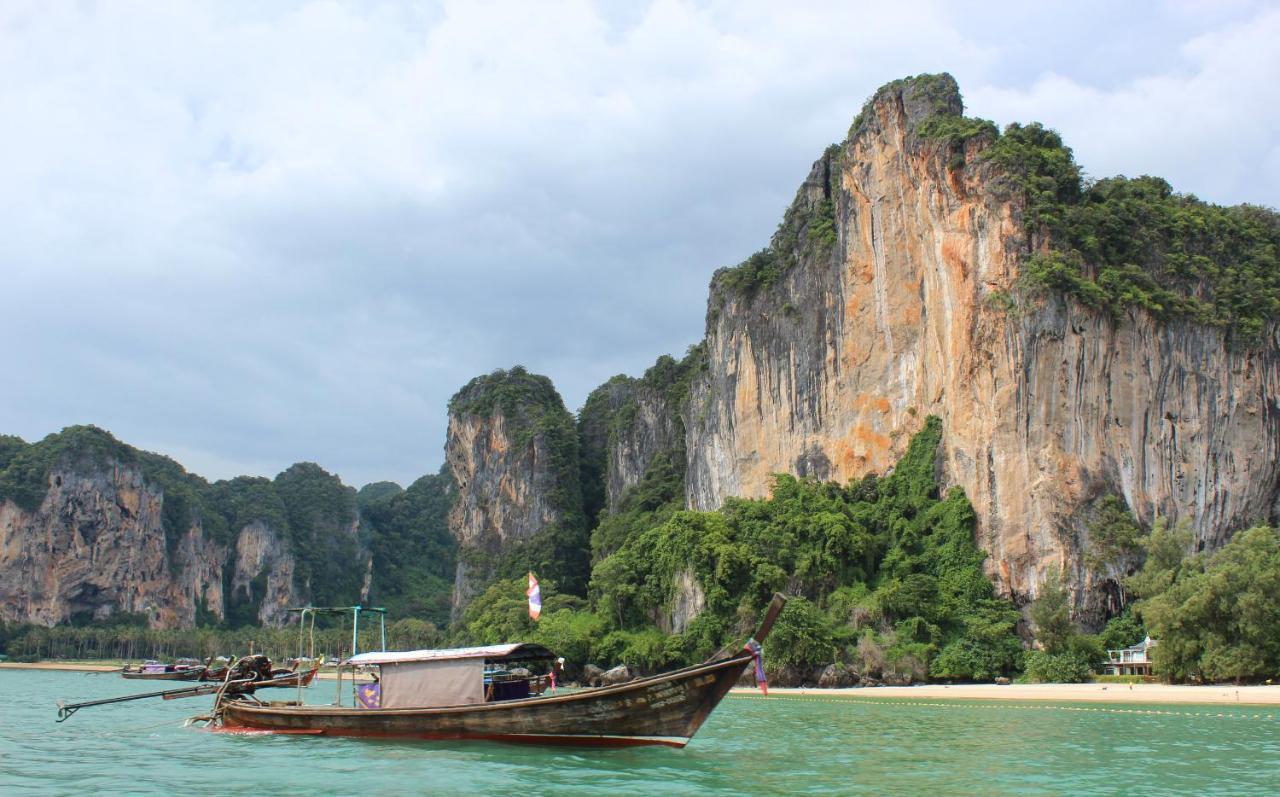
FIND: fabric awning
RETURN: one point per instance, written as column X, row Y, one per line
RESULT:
column 519, row 651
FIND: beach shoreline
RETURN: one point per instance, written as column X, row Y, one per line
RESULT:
column 1145, row 694
column 70, row 666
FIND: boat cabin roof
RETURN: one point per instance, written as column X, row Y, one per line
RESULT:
column 509, row 653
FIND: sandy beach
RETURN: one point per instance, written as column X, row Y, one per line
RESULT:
column 74, row 666
column 1164, row 694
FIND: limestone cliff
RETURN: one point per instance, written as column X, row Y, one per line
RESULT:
column 651, row 428
column 513, row 455
column 90, row 527
column 626, row 423
column 263, row 574
column 885, row 297
column 95, row 546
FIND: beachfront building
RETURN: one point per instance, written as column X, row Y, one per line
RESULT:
column 1133, row 660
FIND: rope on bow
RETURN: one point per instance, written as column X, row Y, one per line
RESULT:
column 757, row 657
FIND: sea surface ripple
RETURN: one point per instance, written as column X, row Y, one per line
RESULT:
column 781, row 745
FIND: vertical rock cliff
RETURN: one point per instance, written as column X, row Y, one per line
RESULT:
column 512, row 450
column 263, row 574
column 627, row 423
column 90, row 527
column 95, row 546
column 888, row 294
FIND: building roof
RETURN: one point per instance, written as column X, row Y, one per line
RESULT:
column 519, row 651
column 1143, row 645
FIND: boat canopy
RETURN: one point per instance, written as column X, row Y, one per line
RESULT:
column 431, row 678
column 510, row 653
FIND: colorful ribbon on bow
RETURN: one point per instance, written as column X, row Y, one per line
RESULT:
column 757, row 656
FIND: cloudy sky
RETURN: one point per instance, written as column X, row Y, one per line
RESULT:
column 248, row 237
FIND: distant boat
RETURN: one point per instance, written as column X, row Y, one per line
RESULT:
column 155, row 671
column 441, row 694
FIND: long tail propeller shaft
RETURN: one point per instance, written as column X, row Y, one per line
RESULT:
column 65, row 710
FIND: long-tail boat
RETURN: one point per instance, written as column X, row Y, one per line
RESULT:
column 441, row 694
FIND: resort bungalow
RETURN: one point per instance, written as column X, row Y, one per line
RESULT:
column 1133, row 660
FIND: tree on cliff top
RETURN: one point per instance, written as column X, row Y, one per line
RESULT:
column 321, row 513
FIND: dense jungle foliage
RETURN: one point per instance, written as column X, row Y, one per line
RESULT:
column 884, row 573
column 1215, row 616
column 311, row 509
column 1120, row 242
column 413, row 553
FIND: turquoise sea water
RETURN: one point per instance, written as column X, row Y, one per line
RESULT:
column 781, row 745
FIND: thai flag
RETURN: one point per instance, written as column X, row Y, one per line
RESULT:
column 535, row 597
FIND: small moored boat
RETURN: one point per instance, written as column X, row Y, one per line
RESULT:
column 441, row 694
column 155, row 671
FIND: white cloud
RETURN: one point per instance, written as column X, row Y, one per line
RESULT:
column 1211, row 126
column 257, row 234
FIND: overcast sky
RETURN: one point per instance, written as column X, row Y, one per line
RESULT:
column 245, row 238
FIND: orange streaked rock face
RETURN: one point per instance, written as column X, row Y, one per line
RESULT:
column 95, row 546
column 503, row 460
column 1046, row 407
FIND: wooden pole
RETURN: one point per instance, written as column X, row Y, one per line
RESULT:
column 770, row 616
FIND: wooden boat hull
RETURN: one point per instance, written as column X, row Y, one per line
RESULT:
column 662, row 710
column 193, row 674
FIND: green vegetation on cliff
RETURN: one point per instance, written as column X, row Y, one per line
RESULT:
column 322, row 532
column 809, row 228
column 527, row 402
column 27, row 470
column 413, row 553
column 610, row 411
column 1115, row 243
column 1119, row 242
column 885, row 573
column 314, row 512
column 597, row 431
